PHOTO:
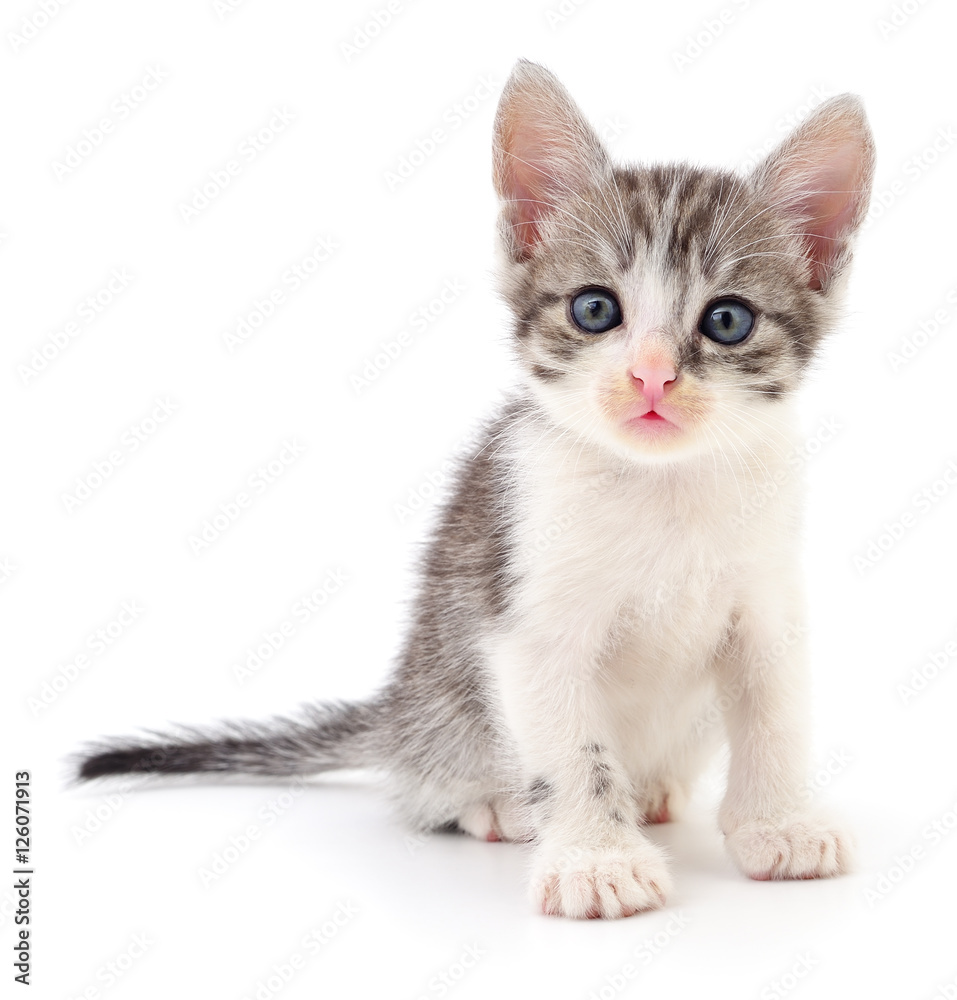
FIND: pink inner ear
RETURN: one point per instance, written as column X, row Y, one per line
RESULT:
column 546, row 154
column 536, row 173
column 829, row 198
column 527, row 197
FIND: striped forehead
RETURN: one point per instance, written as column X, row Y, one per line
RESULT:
column 683, row 222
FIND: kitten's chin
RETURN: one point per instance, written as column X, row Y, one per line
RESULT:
column 653, row 437
column 632, row 432
column 647, row 440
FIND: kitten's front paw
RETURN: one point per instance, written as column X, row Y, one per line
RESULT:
column 605, row 882
column 803, row 847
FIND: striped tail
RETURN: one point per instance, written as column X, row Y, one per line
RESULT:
column 324, row 737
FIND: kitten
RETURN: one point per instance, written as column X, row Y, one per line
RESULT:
column 593, row 590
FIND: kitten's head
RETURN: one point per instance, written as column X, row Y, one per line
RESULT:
column 667, row 310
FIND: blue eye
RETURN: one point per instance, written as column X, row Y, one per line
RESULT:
column 596, row 310
column 727, row 321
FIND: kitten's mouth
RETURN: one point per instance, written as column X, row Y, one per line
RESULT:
column 649, row 419
column 659, row 431
column 651, row 432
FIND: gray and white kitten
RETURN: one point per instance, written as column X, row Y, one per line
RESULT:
column 592, row 590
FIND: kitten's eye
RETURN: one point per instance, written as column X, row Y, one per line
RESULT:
column 596, row 310
column 727, row 321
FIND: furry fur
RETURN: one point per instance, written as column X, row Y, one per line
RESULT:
column 592, row 586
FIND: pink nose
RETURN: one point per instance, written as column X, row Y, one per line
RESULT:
column 653, row 382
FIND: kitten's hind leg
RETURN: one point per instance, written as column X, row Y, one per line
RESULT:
column 663, row 804
column 499, row 818
column 480, row 821
column 663, row 800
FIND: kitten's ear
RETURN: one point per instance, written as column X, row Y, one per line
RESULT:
column 544, row 152
column 821, row 175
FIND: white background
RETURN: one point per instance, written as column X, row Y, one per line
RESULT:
column 418, row 905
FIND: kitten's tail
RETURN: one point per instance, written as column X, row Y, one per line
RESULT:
column 324, row 737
